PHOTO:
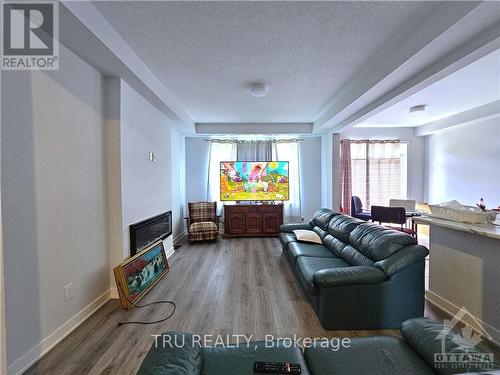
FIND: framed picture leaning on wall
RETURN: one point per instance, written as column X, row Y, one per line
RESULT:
column 138, row 274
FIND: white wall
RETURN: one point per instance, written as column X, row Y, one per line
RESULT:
column 178, row 177
column 416, row 153
column 326, row 170
column 146, row 185
column 197, row 157
column 310, row 176
column 113, row 175
column 53, row 201
column 463, row 163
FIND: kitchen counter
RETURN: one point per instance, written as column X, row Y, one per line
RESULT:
column 464, row 271
column 487, row 230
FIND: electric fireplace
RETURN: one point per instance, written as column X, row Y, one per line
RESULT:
column 150, row 230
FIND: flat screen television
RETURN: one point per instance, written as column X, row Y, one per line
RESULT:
column 254, row 181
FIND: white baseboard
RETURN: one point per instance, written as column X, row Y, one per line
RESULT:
column 43, row 347
column 468, row 319
column 113, row 293
column 180, row 237
column 170, row 252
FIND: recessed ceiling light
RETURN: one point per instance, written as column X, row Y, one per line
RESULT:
column 418, row 108
column 258, row 89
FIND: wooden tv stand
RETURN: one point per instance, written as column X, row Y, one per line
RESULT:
column 252, row 220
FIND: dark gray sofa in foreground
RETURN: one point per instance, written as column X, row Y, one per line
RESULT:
column 414, row 354
column 363, row 275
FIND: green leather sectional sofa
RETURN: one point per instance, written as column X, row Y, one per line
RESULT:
column 363, row 276
column 414, row 354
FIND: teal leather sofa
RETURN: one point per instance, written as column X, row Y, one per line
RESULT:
column 362, row 276
column 413, row 354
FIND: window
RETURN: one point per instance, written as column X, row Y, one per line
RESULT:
column 379, row 171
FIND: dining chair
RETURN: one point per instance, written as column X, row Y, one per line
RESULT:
column 357, row 209
column 392, row 215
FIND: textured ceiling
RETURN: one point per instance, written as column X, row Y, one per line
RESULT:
column 206, row 53
column 472, row 86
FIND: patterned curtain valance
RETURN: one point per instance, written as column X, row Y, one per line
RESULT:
column 292, row 140
column 373, row 141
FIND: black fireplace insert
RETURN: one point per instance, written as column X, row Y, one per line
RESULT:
column 147, row 231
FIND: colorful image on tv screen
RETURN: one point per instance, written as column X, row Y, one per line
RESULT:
column 254, row 181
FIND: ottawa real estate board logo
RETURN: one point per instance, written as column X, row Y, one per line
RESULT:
column 462, row 356
column 30, row 34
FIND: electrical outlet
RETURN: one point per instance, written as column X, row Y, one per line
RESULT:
column 302, row 218
column 68, row 292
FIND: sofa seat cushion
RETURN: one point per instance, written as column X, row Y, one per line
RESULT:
column 366, row 355
column 297, row 249
column 239, row 360
column 286, row 238
column 306, row 267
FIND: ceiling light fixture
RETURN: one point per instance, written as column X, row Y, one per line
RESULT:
column 418, row 108
column 258, row 89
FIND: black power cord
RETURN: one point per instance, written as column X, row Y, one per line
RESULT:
column 145, row 305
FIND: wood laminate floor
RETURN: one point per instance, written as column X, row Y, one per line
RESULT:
column 233, row 286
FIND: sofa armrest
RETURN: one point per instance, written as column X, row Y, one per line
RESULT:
column 355, row 275
column 401, row 259
column 428, row 337
column 173, row 353
column 289, row 228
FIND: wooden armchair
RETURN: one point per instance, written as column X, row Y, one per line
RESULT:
column 203, row 222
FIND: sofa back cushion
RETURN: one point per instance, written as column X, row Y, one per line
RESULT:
column 357, row 242
column 341, row 226
column 377, row 242
column 320, row 221
column 173, row 353
column 334, row 244
column 346, row 252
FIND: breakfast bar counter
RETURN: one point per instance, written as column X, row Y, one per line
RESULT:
column 487, row 230
column 464, row 271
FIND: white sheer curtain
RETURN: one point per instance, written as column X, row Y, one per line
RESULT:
column 376, row 171
column 219, row 151
column 289, row 151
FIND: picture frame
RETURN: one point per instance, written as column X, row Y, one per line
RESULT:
column 138, row 274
